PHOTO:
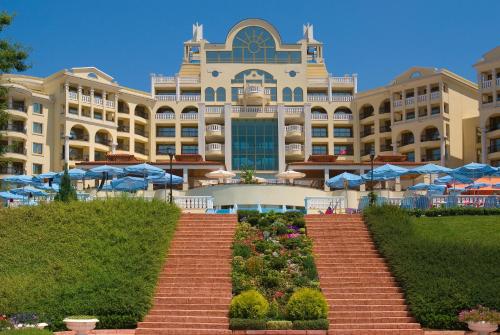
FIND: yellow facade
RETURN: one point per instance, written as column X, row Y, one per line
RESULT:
column 425, row 113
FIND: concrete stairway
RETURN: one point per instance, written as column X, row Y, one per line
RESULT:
column 363, row 296
column 194, row 288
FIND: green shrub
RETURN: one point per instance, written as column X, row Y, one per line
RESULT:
column 307, row 304
column 278, row 262
column 455, row 211
column 254, row 265
column 279, row 324
column 242, row 250
column 299, row 222
column 245, row 214
column 101, row 258
column 274, row 310
column 27, row 331
column 311, row 324
column 241, row 282
column 444, row 264
column 249, row 305
column 271, row 279
column 310, row 267
column 244, row 324
column 66, row 191
column 262, row 246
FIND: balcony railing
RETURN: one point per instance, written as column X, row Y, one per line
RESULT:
column 409, row 101
column 294, row 148
column 194, row 202
column 141, row 150
column 428, row 138
column 317, row 98
column 486, row 84
column 254, row 109
column 72, row 95
column 190, row 97
column 493, row 149
column 103, row 140
column 340, row 116
column 319, row 116
column 385, row 129
column 15, row 149
column 141, row 114
column 293, row 129
column 342, row 98
column 214, row 109
column 165, row 116
column 98, row 101
column 18, row 106
column 189, row 116
column 294, row 110
column 11, row 170
column 140, row 132
column 213, row 129
column 214, row 148
column 397, row 103
column 123, row 129
column 422, row 98
column 79, row 137
column 366, row 132
column 172, row 80
column 77, row 157
column 435, row 95
column 166, row 97
column 365, row 115
column 86, row 98
column 406, row 141
column 14, row 128
column 123, row 147
column 110, row 104
column 385, row 147
column 430, row 158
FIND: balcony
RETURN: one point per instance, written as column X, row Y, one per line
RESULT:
column 254, row 109
column 367, row 132
column 140, row 132
column 79, row 137
column 190, row 97
column 365, row 115
column 486, row 84
column 189, row 116
column 123, row 147
column 336, row 81
column 342, row 98
column 110, row 104
column 86, row 98
column 294, row 130
column 254, row 95
column 166, row 97
column 214, row 130
column 14, row 128
column 398, row 103
column 317, row 98
column 294, row 149
column 430, row 137
column 78, row 157
column 159, row 79
column 435, row 95
column 385, row 147
column 103, row 141
column 385, row 129
column 406, row 141
column 319, row 116
column 409, row 101
column 214, row 149
column 342, row 117
column 13, row 170
column 141, row 150
column 422, row 98
column 98, row 101
column 165, row 116
column 123, row 129
column 72, row 96
column 214, row 110
column 292, row 110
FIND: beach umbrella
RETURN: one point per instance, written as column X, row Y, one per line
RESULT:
column 47, row 187
column 290, row 175
column 452, row 179
column 144, row 169
column 475, row 170
column 220, row 174
column 128, row 184
column 476, row 186
column 165, row 180
column 10, row 195
column 430, row 169
column 29, row 190
column 428, row 187
column 100, row 171
column 46, row 175
column 74, row 174
column 496, row 185
column 345, row 180
column 20, row 179
column 385, row 172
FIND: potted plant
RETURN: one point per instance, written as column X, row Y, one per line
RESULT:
column 81, row 324
column 481, row 319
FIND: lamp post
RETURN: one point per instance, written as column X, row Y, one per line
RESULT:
column 170, row 154
column 372, row 156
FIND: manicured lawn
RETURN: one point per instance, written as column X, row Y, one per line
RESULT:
column 99, row 258
column 27, row 332
column 444, row 264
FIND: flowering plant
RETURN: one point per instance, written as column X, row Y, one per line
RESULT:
column 479, row 314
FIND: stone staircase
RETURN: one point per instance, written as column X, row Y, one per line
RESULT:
column 362, row 294
column 194, row 288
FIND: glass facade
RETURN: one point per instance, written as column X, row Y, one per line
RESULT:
column 255, row 144
column 254, row 45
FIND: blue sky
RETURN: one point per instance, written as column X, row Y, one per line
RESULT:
column 376, row 39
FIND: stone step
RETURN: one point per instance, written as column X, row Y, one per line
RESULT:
column 186, row 312
column 371, row 320
column 188, row 291
column 361, row 290
column 375, row 332
column 366, row 314
column 182, row 331
column 189, row 307
column 360, row 301
column 184, row 325
column 368, row 308
column 187, row 319
column 405, row 325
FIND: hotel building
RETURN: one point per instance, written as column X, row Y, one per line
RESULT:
column 252, row 101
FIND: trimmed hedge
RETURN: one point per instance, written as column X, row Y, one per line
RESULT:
column 279, row 325
column 96, row 258
column 249, row 305
column 444, row 264
column 244, row 324
column 319, row 324
column 307, row 304
column 454, row 211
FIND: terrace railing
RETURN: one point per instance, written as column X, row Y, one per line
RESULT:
column 194, row 202
column 322, row 203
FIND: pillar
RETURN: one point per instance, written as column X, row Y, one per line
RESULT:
column 307, row 131
column 66, row 105
column 362, row 187
column 201, row 130
column 105, row 114
column 177, row 88
column 113, row 147
column 185, row 177
column 397, row 185
column 326, row 174
column 281, row 138
column 329, row 89
column 484, row 148
column 228, row 136
column 92, row 103
column 79, row 100
column 66, row 149
column 443, row 150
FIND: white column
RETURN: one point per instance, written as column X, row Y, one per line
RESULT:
column 326, row 177
column 428, row 99
column 66, row 105
column 113, row 147
column 201, row 130
column 281, row 138
column 484, row 148
column 362, row 187
column 177, row 88
column 116, row 109
column 307, row 131
column 92, row 103
column 397, row 185
column 79, row 100
column 185, row 177
column 66, row 149
column 228, row 136
column 329, row 88
column 355, row 79
column 105, row 114
column 443, row 150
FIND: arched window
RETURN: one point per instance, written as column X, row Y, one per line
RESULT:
column 287, row 94
column 209, row 94
column 297, row 94
column 221, row 94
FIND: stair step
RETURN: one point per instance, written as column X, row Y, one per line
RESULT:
column 185, row 325
column 405, row 325
column 187, row 319
column 187, row 312
column 182, row 331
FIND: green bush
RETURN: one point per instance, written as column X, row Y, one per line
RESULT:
column 444, row 264
column 455, row 211
column 279, row 324
column 245, row 214
column 100, row 258
column 271, row 279
column 249, row 305
column 27, row 331
column 307, row 304
column 311, row 324
column 244, row 324
column 254, row 265
column 242, row 250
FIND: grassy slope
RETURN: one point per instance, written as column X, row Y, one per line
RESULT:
column 99, row 258
column 445, row 264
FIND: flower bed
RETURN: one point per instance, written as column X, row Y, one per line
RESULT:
column 275, row 282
